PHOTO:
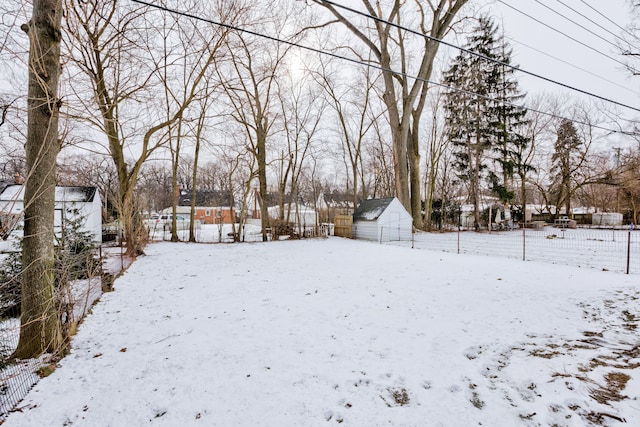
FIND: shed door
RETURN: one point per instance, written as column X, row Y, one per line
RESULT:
column 396, row 227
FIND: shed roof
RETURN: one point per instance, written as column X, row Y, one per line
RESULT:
column 63, row 194
column 370, row 210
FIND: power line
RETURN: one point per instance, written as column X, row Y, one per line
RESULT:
column 563, row 33
column 572, row 65
column 610, row 20
column 374, row 66
column 486, row 58
column 617, row 36
column 576, row 23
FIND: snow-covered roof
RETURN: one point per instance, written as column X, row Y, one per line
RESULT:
column 370, row 210
column 63, row 194
column 294, row 207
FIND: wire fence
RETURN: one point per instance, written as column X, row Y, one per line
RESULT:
column 603, row 249
column 18, row 376
column 226, row 233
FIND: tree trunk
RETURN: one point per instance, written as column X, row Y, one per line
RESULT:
column 414, row 172
column 40, row 330
column 261, row 158
column 523, row 191
column 475, row 184
column 194, row 180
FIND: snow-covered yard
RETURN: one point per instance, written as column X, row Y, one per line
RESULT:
column 334, row 331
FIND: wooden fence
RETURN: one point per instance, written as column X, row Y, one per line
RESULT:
column 342, row 225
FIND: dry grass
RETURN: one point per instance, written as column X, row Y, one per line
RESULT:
column 616, row 382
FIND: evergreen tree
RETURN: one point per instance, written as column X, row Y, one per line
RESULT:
column 568, row 155
column 482, row 122
column 510, row 140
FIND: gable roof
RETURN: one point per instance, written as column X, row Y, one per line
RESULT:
column 370, row 210
column 63, row 194
column 205, row 198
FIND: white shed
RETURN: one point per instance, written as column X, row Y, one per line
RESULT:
column 607, row 219
column 72, row 203
column 382, row 220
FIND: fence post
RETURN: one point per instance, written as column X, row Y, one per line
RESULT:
column 458, row 238
column 628, row 250
column 524, row 239
column 413, row 240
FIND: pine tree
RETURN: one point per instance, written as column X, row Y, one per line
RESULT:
column 568, row 155
column 481, row 117
column 510, row 140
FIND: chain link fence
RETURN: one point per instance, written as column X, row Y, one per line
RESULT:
column 73, row 302
column 603, row 249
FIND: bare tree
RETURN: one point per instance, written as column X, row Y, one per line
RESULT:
column 523, row 158
column 236, row 170
column 199, row 132
column 153, row 186
column 112, row 46
column 40, row 329
column 249, row 82
column 14, row 53
column 90, row 169
column 437, row 146
column 630, row 184
column 105, row 41
column 404, row 98
column 381, row 163
column 563, row 159
column 301, row 113
column 353, row 107
column 184, row 67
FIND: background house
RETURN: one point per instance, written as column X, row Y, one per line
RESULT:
column 302, row 217
column 334, row 203
column 382, row 220
column 82, row 204
column 206, row 214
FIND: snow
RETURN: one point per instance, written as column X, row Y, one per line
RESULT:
column 63, row 194
column 334, row 331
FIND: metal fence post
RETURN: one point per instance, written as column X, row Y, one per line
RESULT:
column 524, row 240
column 413, row 239
column 628, row 250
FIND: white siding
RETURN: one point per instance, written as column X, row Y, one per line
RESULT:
column 393, row 224
column 607, row 219
column 366, row 230
column 91, row 211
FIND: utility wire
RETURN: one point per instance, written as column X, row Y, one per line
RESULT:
column 563, row 33
column 374, row 66
column 479, row 55
column 610, row 20
column 617, row 36
column 584, row 70
column 577, row 23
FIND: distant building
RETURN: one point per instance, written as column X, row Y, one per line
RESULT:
column 382, row 220
column 71, row 204
column 334, row 203
column 607, row 219
column 302, row 217
column 207, row 214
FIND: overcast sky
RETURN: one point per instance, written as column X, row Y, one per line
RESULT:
column 535, row 44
